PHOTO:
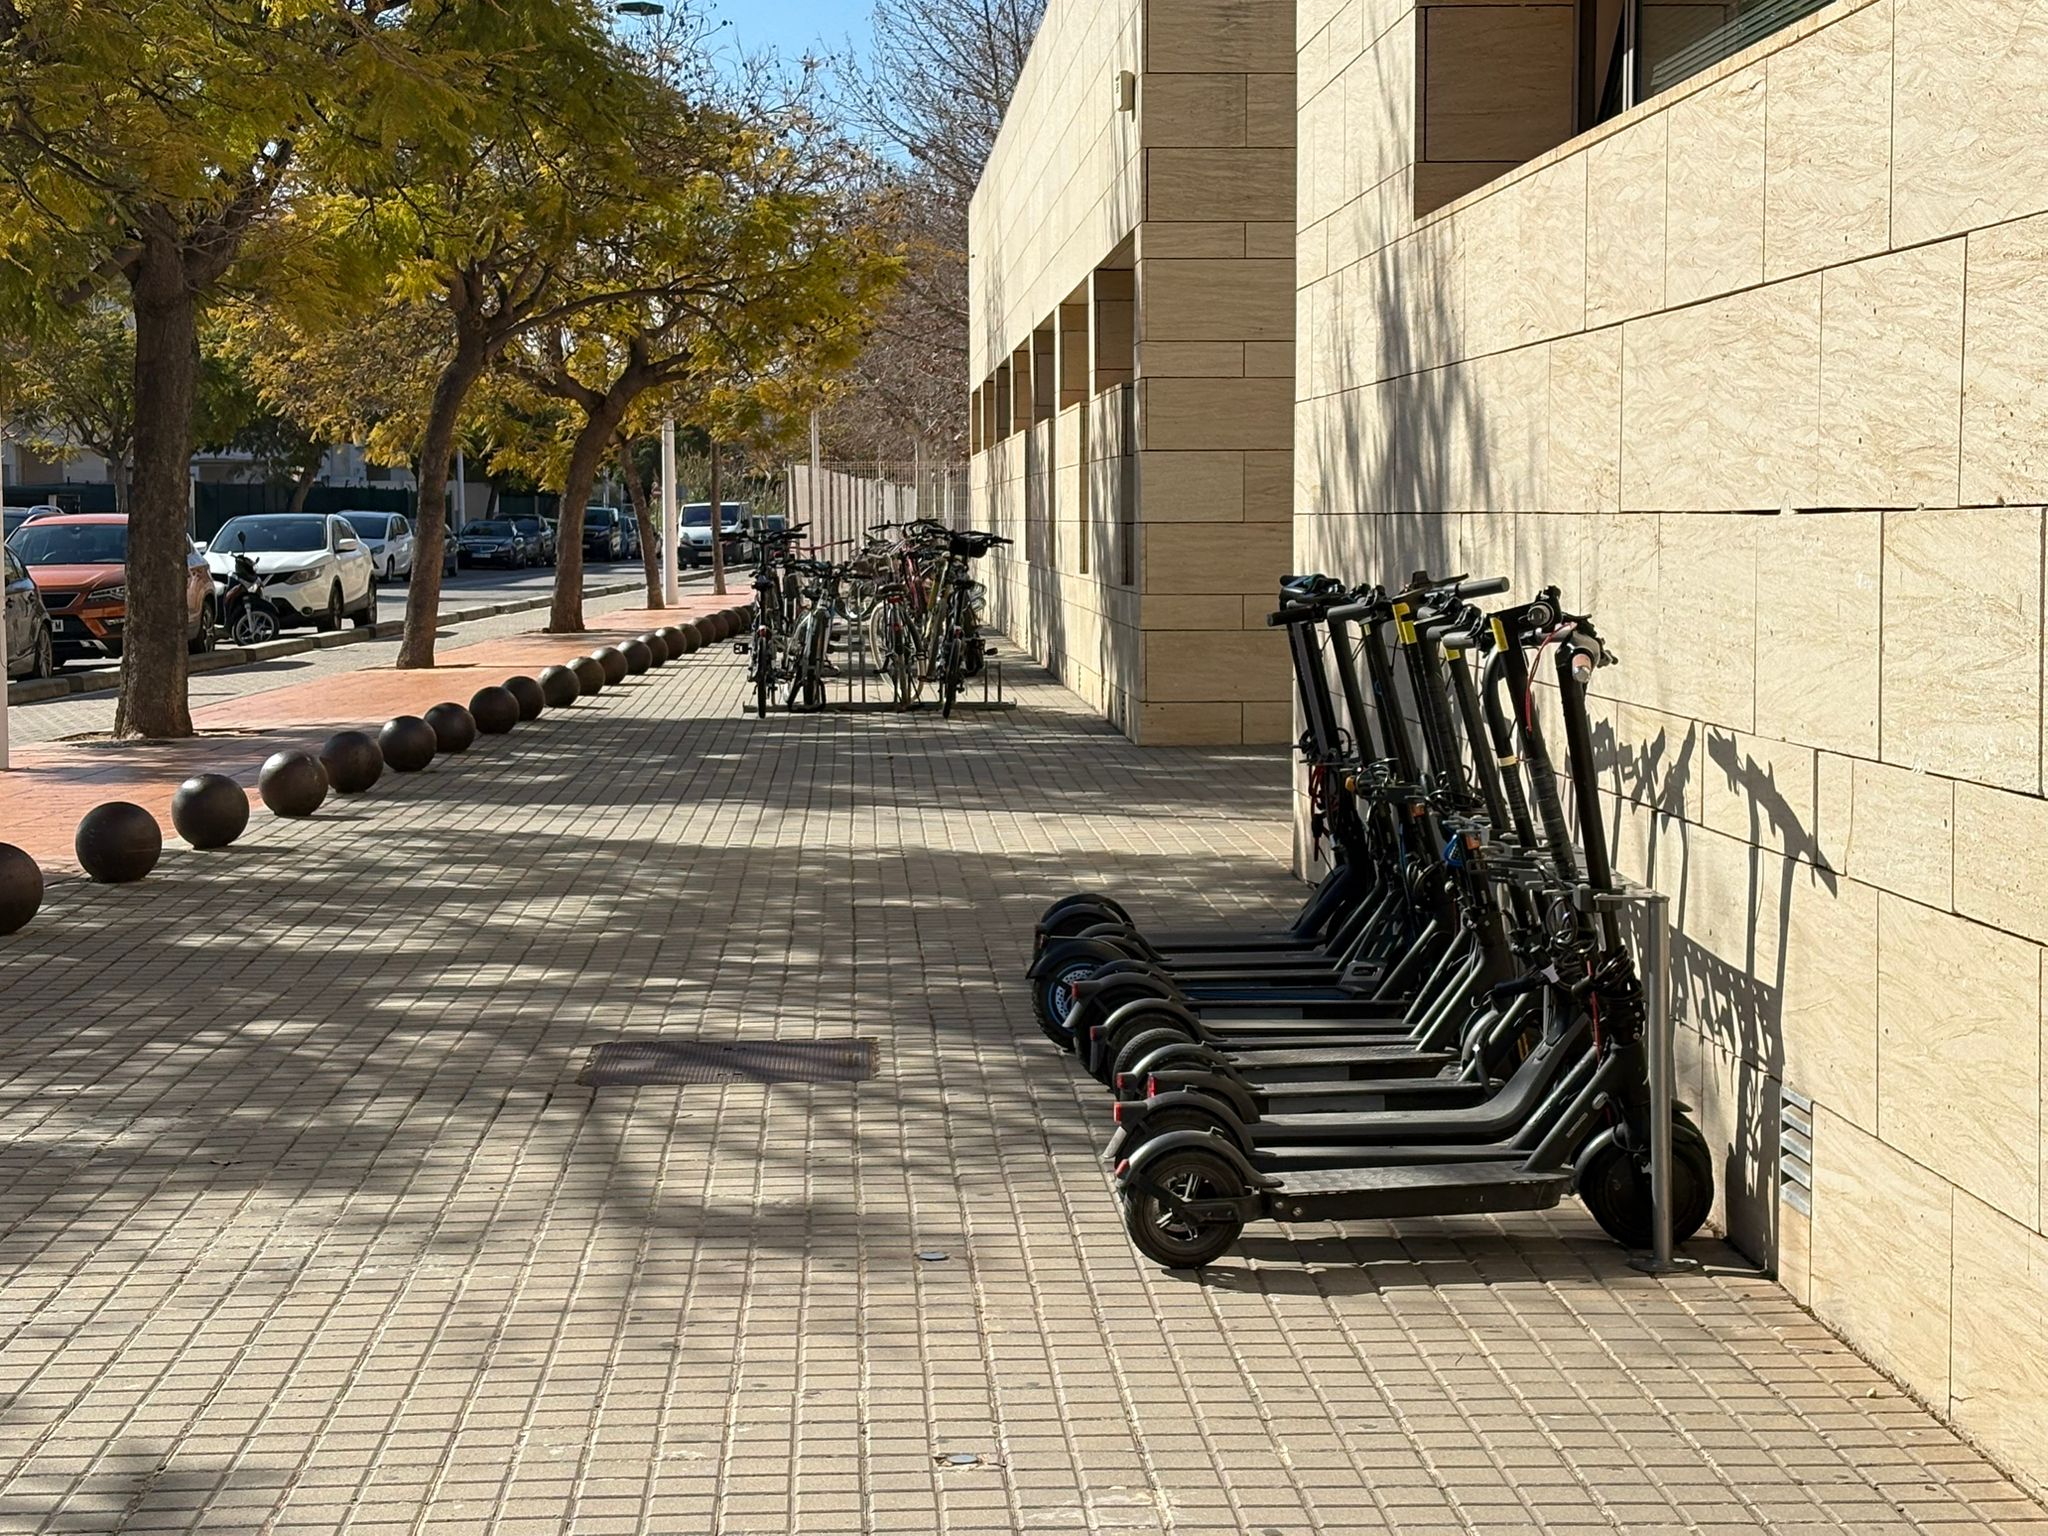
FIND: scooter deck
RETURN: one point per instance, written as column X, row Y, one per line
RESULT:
column 1360, row 1194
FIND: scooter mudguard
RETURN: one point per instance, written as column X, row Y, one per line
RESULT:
column 1233, row 1093
column 1131, row 1171
column 1070, row 921
column 1092, row 899
column 1156, row 1116
column 1096, row 998
column 1189, row 1057
column 1057, row 957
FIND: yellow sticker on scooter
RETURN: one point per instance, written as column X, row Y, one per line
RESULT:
column 1403, row 625
column 1500, row 634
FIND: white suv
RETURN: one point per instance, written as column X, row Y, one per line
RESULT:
column 314, row 567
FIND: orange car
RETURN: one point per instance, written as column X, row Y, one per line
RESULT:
column 79, row 563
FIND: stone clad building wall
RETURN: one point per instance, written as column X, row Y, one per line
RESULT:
column 1758, row 373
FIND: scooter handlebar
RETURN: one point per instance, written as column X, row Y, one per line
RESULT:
column 1486, row 586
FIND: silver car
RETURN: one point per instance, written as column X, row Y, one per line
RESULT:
column 388, row 536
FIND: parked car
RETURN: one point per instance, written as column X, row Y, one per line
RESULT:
column 540, row 538
column 388, row 537
column 496, row 541
column 314, row 567
column 20, row 517
column 79, row 563
column 31, row 644
column 603, row 537
column 696, row 530
column 629, row 534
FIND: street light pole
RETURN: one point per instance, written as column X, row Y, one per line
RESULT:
column 671, row 585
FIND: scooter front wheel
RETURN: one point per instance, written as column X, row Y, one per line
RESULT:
column 1615, row 1184
column 1171, row 1214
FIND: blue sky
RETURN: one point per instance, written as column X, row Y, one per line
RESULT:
column 792, row 27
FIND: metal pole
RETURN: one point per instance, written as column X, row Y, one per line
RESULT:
column 671, row 587
column 1663, row 1068
column 461, row 491
column 817, row 468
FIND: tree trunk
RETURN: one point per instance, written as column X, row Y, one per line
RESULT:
column 650, row 539
column 430, row 524
column 124, row 494
column 717, row 526
column 153, row 701
column 303, row 486
column 565, row 614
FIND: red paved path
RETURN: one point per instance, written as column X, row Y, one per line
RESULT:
column 52, row 785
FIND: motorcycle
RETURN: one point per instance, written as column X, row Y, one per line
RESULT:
column 247, row 615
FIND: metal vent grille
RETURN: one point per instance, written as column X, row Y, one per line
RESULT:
column 643, row 1063
column 1795, row 1151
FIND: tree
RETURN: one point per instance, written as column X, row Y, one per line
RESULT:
column 72, row 386
column 178, row 151
column 761, row 257
column 931, row 91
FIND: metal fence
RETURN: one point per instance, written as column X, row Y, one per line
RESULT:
column 840, row 502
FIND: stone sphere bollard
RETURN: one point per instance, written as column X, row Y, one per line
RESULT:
column 696, row 635
column 657, row 647
column 21, row 889
column 118, row 842
column 494, row 710
column 589, row 674
column 210, row 810
column 292, row 783
column 614, row 663
column 638, row 657
column 352, row 760
column 527, row 694
column 678, row 647
column 559, row 687
column 454, row 727
column 408, row 743
column 716, row 626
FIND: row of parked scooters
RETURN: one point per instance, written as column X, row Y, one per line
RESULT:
column 1453, row 1022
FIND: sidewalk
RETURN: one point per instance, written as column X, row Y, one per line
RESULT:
column 306, row 1224
column 54, row 784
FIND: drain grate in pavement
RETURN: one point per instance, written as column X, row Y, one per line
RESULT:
column 639, row 1063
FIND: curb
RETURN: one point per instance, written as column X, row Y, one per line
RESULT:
column 221, row 658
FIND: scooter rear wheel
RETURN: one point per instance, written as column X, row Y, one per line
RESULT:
column 1052, row 1002
column 1615, row 1184
column 1133, row 1049
column 1169, row 1237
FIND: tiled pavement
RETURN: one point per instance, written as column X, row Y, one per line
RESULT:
column 306, row 1226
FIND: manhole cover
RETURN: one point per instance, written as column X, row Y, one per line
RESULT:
column 638, row 1063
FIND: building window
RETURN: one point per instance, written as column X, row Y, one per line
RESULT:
column 1637, row 48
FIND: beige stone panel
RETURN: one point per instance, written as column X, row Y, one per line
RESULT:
column 1625, row 200
column 1161, row 612
column 1321, row 148
column 1379, row 111
column 1881, row 1253
column 1548, row 550
column 1203, row 242
column 1192, row 486
column 1963, row 698
column 2005, row 373
column 1523, row 250
column 1269, row 360
column 2001, row 859
column 1497, row 80
column 1269, row 109
column 1999, row 1354
column 1206, row 111
column 1827, row 155
column 1214, row 413
column 1191, row 359
column 1268, row 479
column 1835, row 794
column 1706, row 588
column 1496, row 432
column 1729, row 904
column 1827, row 1015
column 1219, row 184
column 1583, row 469
column 1268, row 724
column 1619, row 564
column 1656, row 759
column 1817, row 629
column 1968, row 148
column 1190, row 666
column 1794, row 1266
column 1714, row 229
column 1891, row 341
column 1188, row 725
column 1903, row 837
column 1215, row 557
column 1195, row 35
column 1736, row 1102
column 1277, row 240
column 1238, row 300
column 1959, row 1052
column 1721, row 403
column 1761, row 790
